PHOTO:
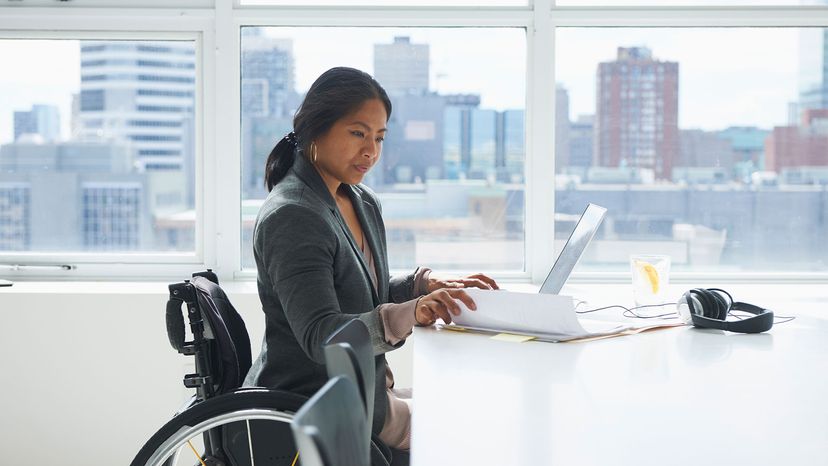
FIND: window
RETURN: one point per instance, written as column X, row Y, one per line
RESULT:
column 721, row 161
column 101, row 165
column 138, row 135
column 451, row 175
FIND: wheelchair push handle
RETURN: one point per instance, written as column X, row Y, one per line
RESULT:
column 181, row 293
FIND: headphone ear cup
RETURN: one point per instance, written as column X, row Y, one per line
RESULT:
column 703, row 302
column 684, row 307
column 722, row 306
column 692, row 305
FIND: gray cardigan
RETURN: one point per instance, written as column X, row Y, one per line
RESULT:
column 312, row 278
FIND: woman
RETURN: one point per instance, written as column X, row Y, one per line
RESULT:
column 320, row 250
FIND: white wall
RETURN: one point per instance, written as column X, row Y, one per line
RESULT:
column 87, row 373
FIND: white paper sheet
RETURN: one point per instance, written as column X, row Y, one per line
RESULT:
column 524, row 313
column 544, row 316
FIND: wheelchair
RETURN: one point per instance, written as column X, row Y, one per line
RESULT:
column 223, row 424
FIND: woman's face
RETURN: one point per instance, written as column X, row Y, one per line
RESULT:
column 352, row 146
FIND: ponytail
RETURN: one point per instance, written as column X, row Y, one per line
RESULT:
column 280, row 160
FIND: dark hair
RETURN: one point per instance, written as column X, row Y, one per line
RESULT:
column 336, row 93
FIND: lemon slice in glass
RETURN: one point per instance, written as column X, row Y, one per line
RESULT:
column 650, row 272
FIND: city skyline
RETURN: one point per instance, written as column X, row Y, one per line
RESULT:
column 757, row 101
column 474, row 155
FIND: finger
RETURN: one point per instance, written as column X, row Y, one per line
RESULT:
column 440, row 310
column 464, row 297
column 476, row 283
column 448, row 300
column 432, row 316
column 486, row 279
column 424, row 315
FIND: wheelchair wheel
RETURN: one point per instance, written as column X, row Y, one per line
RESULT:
column 246, row 427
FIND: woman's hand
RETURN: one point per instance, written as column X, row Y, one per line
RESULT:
column 440, row 304
column 477, row 280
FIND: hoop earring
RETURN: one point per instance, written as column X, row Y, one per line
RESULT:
column 313, row 153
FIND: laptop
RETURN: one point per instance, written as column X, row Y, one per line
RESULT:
column 575, row 246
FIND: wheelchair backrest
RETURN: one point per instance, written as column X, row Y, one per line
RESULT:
column 221, row 344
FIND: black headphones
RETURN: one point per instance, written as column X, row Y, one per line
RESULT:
column 708, row 308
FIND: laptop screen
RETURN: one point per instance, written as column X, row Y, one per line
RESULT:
column 575, row 246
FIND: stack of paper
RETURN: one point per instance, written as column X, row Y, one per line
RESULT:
column 543, row 316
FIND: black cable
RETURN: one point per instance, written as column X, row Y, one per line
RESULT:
column 630, row 312
column 670, row 315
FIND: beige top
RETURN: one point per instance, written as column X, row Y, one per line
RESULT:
column 398, row 320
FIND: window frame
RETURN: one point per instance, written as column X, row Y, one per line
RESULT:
column 215, row 27
column 125, row 24
column 403, row 17
column 702, row 17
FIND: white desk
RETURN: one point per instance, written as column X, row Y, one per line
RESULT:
column 679, row 396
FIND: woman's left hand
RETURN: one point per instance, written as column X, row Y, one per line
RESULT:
column 477, row 280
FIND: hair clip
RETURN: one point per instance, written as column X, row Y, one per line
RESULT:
column 291, row 138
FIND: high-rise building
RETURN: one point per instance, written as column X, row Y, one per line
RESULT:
column 699, row 148
column 482, row 143
column 413, row 147
column 267, row 75
column 41, row 120
column 483, row 137
column 402, row 67
column 799, row 146
column 71, row 156
column 453, row 142
column 511, row 146
column 457, row 133
column 141, row 93
column 581, row 140
column 748, row 146
column 269, row 100
column 561, row 129
column 636, row 123
column 112, row 215
column 15, row 208
column 813, row 68
column 88, row 188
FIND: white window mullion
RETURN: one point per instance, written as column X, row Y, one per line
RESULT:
column 226, row 182
column 206, row 196
column 540, row 167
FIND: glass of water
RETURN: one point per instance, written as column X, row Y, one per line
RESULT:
column 650, row 278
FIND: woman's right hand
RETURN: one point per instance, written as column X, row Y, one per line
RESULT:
column 440, row 304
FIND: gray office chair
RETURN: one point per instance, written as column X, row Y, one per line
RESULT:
column 329, row 428
column 348, row 352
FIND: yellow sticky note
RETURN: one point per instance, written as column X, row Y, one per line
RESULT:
column 512, row 337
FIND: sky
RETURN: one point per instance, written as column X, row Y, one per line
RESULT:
column 37, row 72
column 727, row 76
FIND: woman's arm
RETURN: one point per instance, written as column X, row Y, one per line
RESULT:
column 408, row 287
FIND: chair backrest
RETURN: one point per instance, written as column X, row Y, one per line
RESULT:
column 221, row 344
column 341, row 360
column 355, row 360
column 328, row 428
